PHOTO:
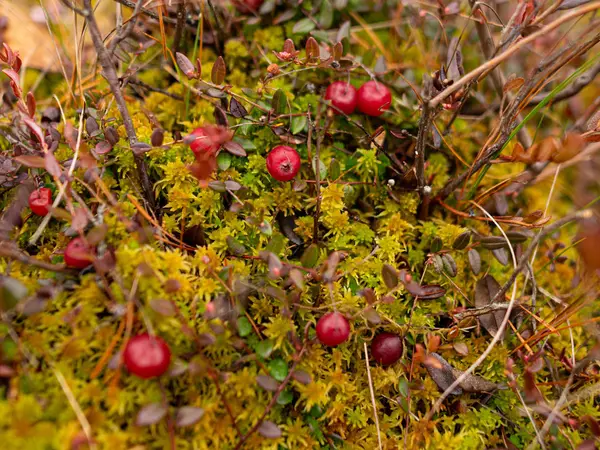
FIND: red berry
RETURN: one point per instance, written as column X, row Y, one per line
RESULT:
column 333, row 329
column 283, row 163
column 386, row 348
column 343, row 96
column 40, row 201
column 203, row 141
column 147, row 356
column 247, row 6
column 374, row 98
column 78, row 254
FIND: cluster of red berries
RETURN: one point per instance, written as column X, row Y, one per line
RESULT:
column 372, row 99
column 333, row 329
column 78, row 253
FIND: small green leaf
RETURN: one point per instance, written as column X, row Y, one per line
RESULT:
column 326, row 15
column 278, row 369
column 279, row 102
column 224, row 160
column 264, row 348
column 322, row 168
column 303, row 26
column 11, row 292
column 285, row 397
column 244, row 326
column 335, row 169
column 310, row 257
column 298, row 124
column 436, row 245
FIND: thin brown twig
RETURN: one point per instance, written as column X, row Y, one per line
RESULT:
column 511, row 51
column 523, row 262
column 111, row 77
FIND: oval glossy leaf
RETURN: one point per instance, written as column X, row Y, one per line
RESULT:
column 151, row 414
column 474, row 261
column 269, row 430
column 462, row 241
column 267, row 382
column 188, row 415
column 218, row 71
column 303, row 26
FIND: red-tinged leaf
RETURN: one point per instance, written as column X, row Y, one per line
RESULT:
column 474, row 261
column 97, row 234
column 103, row 147
column 301, row 376
column 51, row 165
column 157, row 137
column 588, row 444
column 312, row 49
column 372, row 316
column 237, row 109
column 234, row 148
column 231, row 185
column 31, row 104
column 593, row 424
column 139, row 148
column 461, row 348
column 269, row 430
column 297, row 278
column 267, row 382
column 35, row 128
column 14, row 76
column 32, row 161
column 433, row 343
column 188, row 415
column 390, row 276
column 288, row 46
column 485, row 290
column 218, row 71
column 431, row 292
column 532, row 392
column 368, row 294
column 151, row 414
column 337, row 51
column 79, row 220
column 185, row 65
column 162, row 306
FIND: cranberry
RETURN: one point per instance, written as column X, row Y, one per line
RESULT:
column 40, row 201
column 333, row 329
column 386, row 348
column 343, row 96
column 283, row 163
column 374, row 98
column 78, row 254
column 203, row 142
column 247, row 6
column 147, row 356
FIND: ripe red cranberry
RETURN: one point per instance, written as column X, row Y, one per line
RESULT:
column 374, row 98
column 146, row 356
column 343, row 96
column 78, row 254
column 246, row 6
column 333, row 329
column 386, row 348
column 40, row 201
column 283, row 163
column 203, row 142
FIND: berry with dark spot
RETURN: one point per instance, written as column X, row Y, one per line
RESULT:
column 283, row 163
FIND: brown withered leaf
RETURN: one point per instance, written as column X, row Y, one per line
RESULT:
column 485, row 290
column 218, row 71
column 570, row 147
column 513, row 83
column 445, row 374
